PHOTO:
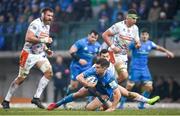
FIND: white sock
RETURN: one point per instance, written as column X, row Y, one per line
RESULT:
column 11, row 91
column 42, row 84
column 141, row 99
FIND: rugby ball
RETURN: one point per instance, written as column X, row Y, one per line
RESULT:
column 92, row 79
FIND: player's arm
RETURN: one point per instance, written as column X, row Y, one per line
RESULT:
column 116, row 98
column 162, row 49
column 137, row 43
column 84, row 82
column 116, row 95
column 73, row 51
column 30, row 37
column 137, row 38
column 107, row 38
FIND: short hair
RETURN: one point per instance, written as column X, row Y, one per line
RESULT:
column 103, row 62
column 132, row 11
column 103, row 51
column 46, row 9
column 144, row 30
column 93, row 31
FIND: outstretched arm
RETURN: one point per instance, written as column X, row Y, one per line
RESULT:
column 168, row 53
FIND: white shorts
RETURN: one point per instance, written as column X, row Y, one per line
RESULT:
column 117, row 58
column 28, row 60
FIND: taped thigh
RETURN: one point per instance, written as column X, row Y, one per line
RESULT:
column 46, row 66
column 23, row 72
column 121, row 67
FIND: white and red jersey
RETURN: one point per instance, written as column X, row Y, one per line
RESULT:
column 40, row 30
column 123, row 36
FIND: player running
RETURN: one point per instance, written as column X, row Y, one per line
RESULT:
column 139, row 71
column 82, row 51
column 118, row 37
column 34, row 54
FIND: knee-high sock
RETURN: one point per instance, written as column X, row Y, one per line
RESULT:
column 122, row 102
column 11, row 91
column 65, row 100
column 145, row 94
column 42, row 84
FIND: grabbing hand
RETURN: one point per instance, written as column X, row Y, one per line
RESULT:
column 49, row 52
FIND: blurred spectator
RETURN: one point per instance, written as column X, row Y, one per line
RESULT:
column 60, row 78
column 117, row 13
column 105, row 10
column 143, row 10
column 87, row 9
column 166, row 9
column 64, row 4
column 2, row 32
column 167, row 88
column 103, row 23
column 78, row 10
column 20, row 28
column 154, row 11
column 174, row 89
column 160, row 88
column 120, row 17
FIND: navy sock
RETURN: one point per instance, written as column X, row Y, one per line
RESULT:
column 145, row 94
column 122, row 102
column 65, row 100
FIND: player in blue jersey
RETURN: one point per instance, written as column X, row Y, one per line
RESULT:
column 106, row 86
column 139, row 71
column 82, row 51
column 106, row 90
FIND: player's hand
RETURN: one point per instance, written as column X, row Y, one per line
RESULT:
column 49, row 52
column 111, row 109
column 49, row 40
column 91, row 85
column 46, row 40
column 170, row 55
column 116, row 49
column 82, row 61
column 138, row 45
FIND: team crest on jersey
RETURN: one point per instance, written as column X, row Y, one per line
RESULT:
column 86, row 48
column 149, row 47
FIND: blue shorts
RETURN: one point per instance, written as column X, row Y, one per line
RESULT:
column 75, row 71
column 136, row 75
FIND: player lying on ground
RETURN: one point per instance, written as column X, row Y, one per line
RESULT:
column 106, row 90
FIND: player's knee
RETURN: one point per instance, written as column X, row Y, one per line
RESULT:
column 19, row 80
column 148, row 86
column 129, row 85
column 89, row 108
column 48, row 74
column 46, row 68
column 132, row 95
column 74, row 86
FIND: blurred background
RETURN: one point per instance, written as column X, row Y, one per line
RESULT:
column 73, row 20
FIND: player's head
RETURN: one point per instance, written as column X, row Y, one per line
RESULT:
column 93, row 36
column 47, row 15
column 104, row 54
column 101, row 66
column 144, row 34
column 131, row 17
column 59, row 59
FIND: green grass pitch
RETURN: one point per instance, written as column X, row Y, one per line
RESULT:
column 35, row 111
